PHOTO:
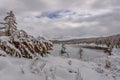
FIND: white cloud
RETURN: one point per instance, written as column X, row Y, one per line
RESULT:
column 85, row 17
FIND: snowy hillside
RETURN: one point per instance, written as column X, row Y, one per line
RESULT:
column 49, row 68
column 58, row 68
column 54, row 68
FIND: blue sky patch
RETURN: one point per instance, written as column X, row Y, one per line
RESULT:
column 53, row 15
column 60, row 14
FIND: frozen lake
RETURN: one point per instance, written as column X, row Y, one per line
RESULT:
column 73, row 50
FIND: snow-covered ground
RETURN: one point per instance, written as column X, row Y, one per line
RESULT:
column 48, row 68
column 55, row 67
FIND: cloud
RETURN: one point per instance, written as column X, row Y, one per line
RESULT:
column 106, row 4
column 62, row 18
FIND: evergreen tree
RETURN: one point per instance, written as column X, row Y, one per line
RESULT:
column 10, row 21
column 81, row 53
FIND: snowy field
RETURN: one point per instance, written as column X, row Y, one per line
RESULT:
column 55, row 67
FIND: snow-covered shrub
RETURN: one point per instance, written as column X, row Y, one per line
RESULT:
column 79, row 76
column 108, row 63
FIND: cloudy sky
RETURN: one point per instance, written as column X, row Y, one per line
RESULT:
column 65, row 18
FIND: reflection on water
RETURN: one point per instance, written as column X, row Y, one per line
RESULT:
column 73, row 50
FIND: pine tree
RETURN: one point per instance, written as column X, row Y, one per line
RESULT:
column 20, row 43
column 10, row 21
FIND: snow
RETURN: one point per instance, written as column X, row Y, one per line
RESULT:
column 5, row 38
column 11, row 70
column 55, row 67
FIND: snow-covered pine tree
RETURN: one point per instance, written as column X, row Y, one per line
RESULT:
column 20, row 44
column 10, row 21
